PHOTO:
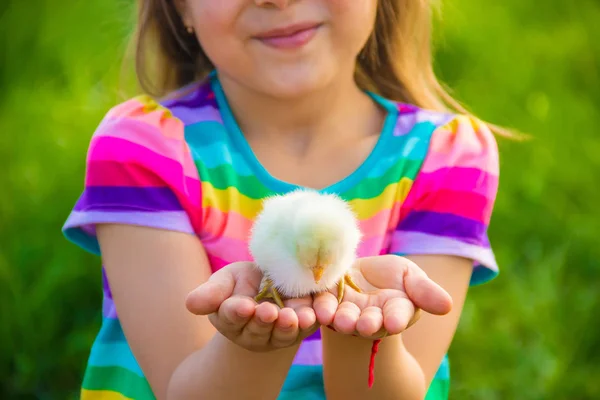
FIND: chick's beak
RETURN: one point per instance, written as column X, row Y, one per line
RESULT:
column 318, row 272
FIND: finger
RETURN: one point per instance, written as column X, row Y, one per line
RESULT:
column 383, row 272
column 258, row 330
column 346, row 317
column 424, row 292
column 285, row 331
column 397, row 313
column 306, row 318
column 207, row 298
column 394, row 272
column 248, row 279
column 234, row 314
column 304, row 310
column 370, row 321
column 325, row 306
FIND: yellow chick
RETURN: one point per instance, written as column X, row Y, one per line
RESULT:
column 304, row 242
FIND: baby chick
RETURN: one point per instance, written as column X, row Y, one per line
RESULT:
column 304, row 242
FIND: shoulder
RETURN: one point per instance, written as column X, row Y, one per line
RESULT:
column 464, row 141
column 139, row 117
column 458, row 177
column 138, row 140
column 459, row 166
column 162, row 119
column 151, row 131
column 450, row 203
column 138, row 172
column 450, row 139
column 140, row 143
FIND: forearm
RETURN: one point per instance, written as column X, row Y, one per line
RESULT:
column 224, row 370
column 345, row 367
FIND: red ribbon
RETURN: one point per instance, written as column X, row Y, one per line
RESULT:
column 374, row 350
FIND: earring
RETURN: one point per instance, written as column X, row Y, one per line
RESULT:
column 189, row 29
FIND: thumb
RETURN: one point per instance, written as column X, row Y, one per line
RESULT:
column 207, row 298
column 424, row 292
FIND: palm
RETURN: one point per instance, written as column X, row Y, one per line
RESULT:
column 372, row 295
column 228, row 301
column 247, row 281
column 247, row 285
column 392, row 291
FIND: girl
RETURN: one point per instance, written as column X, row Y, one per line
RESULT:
column 262, row 97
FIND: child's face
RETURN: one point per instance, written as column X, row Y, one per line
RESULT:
column 232, row 34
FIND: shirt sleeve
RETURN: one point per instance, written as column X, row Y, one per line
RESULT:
column 449, row 207
column 139, row 171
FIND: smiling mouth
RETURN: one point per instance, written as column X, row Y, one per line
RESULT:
column 290, row 37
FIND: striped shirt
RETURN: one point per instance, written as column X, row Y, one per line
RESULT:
column 427, row 187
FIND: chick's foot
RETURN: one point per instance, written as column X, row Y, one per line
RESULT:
column 269, row 291
column 346, row 280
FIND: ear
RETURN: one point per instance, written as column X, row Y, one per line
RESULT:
column 182, row 9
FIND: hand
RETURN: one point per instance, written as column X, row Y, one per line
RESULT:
column 393, row 288
column 228, row 300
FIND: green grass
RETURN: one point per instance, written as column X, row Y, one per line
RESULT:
column 529, row 334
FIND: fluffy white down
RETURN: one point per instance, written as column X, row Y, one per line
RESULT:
column 288, row 225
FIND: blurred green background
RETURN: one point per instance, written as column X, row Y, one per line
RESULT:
column 530, row 334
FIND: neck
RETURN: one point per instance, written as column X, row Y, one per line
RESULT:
column 306, row 116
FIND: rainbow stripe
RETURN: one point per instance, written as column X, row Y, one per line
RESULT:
column 428, row 187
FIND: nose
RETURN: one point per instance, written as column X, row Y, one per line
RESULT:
column 281, row 4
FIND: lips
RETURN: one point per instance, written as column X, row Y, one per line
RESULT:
column 289, row 37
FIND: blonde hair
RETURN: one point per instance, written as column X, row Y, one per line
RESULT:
column 395, row 63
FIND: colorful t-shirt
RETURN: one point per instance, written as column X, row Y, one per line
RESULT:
column 428, row 187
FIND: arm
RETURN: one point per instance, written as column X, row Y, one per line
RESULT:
column 151, row 272
column 429, row 339
column 443, row 228
column 405, row 363
column 140, row 209
column 346, row 358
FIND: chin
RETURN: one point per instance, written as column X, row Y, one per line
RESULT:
column 289, row 82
